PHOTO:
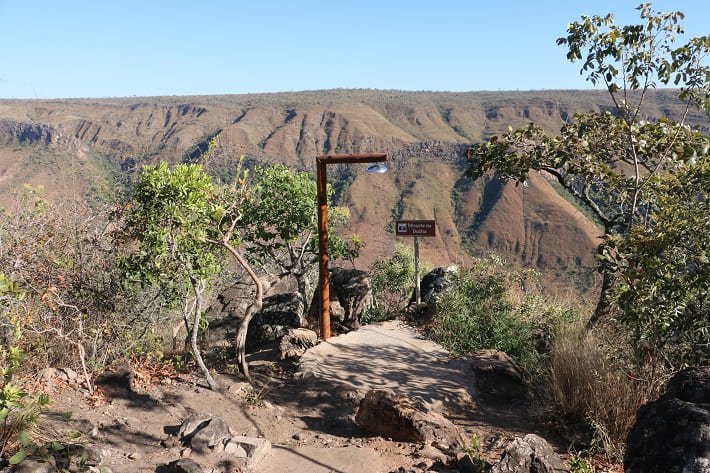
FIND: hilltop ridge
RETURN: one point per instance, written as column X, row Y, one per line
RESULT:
column 79, row 146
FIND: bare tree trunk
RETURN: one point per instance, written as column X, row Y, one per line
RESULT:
column 251, row 310
column 304, row 286
column 197, row 287
column 604, row 302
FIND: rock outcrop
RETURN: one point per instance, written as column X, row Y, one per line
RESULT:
column 350, row 296
column 498, row 379
column 530, row 454
column 279, row 314
column 434, row 283
column 672, row 434
column 295, row 342
column 384, row 413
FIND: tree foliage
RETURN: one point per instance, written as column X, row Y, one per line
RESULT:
column 171, row 216
column 280, row 223
column 626, row 167
column 665, row 272
column 393, row 278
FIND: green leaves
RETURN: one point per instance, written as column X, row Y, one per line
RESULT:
column 171, row 216
column 646, row 181
column 638, row 56
column 280, row 221
column 18, row 457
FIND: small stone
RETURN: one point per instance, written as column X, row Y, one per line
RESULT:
column 235, row 449
column 255, row 448
column 134, row 456
column 34, row 466
column 432, row 453
column 185, row 452
column 170, row 442
column 70, row 375
column 184, row 465
column 238, row 388
column 300, row 436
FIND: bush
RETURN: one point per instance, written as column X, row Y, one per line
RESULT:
column 483, row 309
column 393, row 278
column 18, row 410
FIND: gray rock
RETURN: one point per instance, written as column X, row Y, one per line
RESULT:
column 30, row 465
column 498, row 379
column 279, row 314
column 204, row 431
column 296, row 341
column 353, row 290
column 384, row 413
column 432, row 453
column 192, row 424
column 256, row 448
column 672, row 434
column 67, row 375
column 234, row 449
column 93, row 455
column 435, row 283
column 183, row 465
column 213, row 434
column 531, row 454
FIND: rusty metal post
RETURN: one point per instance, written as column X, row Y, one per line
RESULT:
column 321, row 181
column 323, row 276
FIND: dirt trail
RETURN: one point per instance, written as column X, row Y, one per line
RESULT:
column 395, row 356
column 306, row 411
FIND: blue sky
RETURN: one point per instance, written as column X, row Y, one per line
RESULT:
column 104, row 48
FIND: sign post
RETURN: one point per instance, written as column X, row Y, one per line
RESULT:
column 416, row 228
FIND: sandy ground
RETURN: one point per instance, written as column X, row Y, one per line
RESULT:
column 306, row 410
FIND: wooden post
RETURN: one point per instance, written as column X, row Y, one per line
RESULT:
column 417, row 288
column 323, row 276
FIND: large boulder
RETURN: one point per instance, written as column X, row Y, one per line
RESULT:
column 530, row 454
column 498, row 379
column 228, row 310
column 672, row 434
column 434, row 283
column 295, row 342
column 350, row 296
column 203, row 431
column 279, row 314
column 353, row 289
column 384, row 413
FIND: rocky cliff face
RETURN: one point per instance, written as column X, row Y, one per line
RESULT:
column 426, row 135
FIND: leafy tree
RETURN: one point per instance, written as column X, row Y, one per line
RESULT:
column 170, row 216
column 281, row 225
column 613, row 162
column 665, row 272
column 184, row 225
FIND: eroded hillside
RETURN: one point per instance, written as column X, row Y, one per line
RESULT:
column 81, row 147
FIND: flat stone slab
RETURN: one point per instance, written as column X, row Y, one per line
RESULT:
column 323, row 460
column 392, row 355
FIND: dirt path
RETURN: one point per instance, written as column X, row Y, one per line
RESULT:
column 306, row 411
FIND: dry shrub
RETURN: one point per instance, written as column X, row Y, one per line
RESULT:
column 588, row 383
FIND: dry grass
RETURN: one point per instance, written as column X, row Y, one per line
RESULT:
column 585, row 383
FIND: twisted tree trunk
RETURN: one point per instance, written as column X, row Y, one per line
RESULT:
column 197, row 288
